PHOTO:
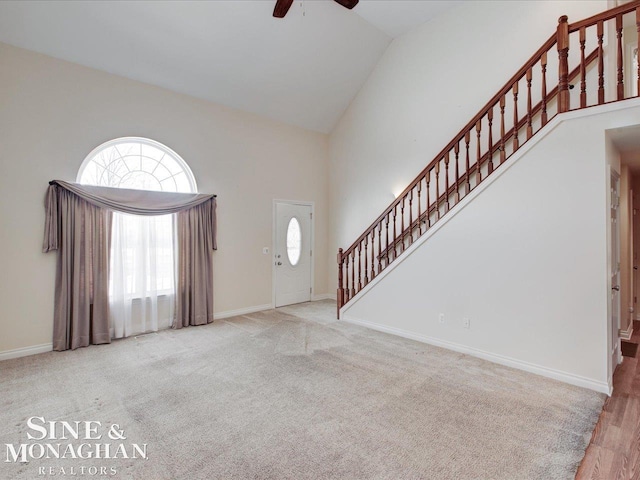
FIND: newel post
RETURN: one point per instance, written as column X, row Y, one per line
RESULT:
column 563, row 64
column 340, row 294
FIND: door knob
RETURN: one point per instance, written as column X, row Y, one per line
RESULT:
column 616, row 288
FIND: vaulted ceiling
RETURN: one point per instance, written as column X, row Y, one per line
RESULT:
column 303, row 70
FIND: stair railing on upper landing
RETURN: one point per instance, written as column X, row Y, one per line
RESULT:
column 499, row 130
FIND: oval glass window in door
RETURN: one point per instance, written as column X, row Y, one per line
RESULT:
column 294, row 241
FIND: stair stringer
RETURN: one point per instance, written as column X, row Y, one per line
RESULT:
column 419, row 309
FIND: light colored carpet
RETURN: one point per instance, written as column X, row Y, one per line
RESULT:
column 294, row 394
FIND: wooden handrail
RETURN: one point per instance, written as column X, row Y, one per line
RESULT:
column 496, row 148
column 604, row 16
column 592, row 57
column 496, row 98
column 450, row 175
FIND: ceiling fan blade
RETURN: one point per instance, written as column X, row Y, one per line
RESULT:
column 348, row 3
column 282, row 7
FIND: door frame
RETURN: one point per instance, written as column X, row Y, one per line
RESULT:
column 273, row 244
column 613, row 176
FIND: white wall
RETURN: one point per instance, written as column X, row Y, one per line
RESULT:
column 53, row 113
column 427, row 86
column 525, row 259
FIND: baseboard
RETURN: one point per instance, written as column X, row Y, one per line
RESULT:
column 266, row 306
column 566, row 377
column 48, row 347
column 242, row 311
column 26, row 351
column 323, row 296
column 626, row 334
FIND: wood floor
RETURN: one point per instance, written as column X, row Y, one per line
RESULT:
column 614, row 451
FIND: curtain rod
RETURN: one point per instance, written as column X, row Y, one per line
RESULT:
column 53, row 182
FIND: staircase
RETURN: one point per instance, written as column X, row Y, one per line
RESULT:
column 591, row 73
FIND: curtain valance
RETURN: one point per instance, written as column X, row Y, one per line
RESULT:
column 136, row 202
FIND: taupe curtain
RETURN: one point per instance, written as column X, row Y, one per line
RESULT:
column 77, row 225
column 82, row 234
column 194, row 296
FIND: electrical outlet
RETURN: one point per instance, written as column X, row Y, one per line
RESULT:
column 466, row 322
column 441, row 318
column 265, row 250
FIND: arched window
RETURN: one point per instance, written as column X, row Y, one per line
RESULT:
column 137, row 163
column 142, row 259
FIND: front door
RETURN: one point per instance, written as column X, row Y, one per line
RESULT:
column 292, row 253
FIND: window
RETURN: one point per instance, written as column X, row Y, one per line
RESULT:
column 294, row 241
column 142, row 260
column 137, row 163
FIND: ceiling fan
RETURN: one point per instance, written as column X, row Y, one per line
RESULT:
column 282, row 6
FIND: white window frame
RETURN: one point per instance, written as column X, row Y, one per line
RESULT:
column 147, row 141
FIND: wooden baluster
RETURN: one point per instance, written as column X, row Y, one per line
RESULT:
column 503, row 153
column 456, row 151
column 467, row 139
column 516, row 144
column 380, row 246
column 340, row 294
column 543, row 63
column 446, row 183
column 386, row 226
column 600, row 63
column 366, row 260
column 353, row 273
column 373, row 258
column 419, row 209
column 583, row 68
column 411, row 216
column 360, row 266
column 369, row 274
column 490, row 121
column 402, row 216
column 428, row 209
column 620, row 57
column 638, row 43
column 395, row 233
column 437, row 202
column 563, row 64
column 529, row 116
column 402, row 232
column 478, row 155
column 347, row 293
